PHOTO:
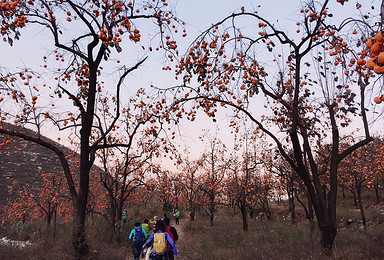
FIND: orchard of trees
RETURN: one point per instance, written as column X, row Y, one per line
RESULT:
column 304, row 105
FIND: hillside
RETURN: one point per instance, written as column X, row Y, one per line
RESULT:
column 21, row 161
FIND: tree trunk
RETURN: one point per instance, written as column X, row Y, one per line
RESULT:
column 79, row 241
column 212, row 208
column 311, row 217
column 243, row 210
column 328, row 235
column 79, row 237
column 377, row 191
column 119, row 211
column 49, row 218
column 303, row 205
column 361, row 208
column 113, row 214
column 292, row 206
column 267, row 210
column 354, row 198
column 55, row 222
column 251, row 212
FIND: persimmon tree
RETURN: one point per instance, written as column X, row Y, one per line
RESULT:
column 125, row 167
column 162, row 186
column 212, row 174
column 28, row 199
column 189, row 184
column 120, row 182
column 277, row 166
column 142, row 197
column 378, row 167
column 243, row 171
column 97, row 200
column 167, row 186
column 46, row 202
column 357, row 172
column 84, row 36
column 289, row 183
column 176, row 189
column 297, row 88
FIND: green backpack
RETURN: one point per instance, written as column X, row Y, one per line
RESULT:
column 145, row 226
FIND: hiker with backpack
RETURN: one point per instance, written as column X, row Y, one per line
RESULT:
column 160, row 240
column 173, row 233
column 147, row 228
column 177, row 216
column 137, row 236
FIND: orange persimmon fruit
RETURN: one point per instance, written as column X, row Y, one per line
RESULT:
column 376, row 48
column 378, row 69
column 380, row 58
column 377, row 100
column 361, row 62
column 371, row 63
column 370, row 42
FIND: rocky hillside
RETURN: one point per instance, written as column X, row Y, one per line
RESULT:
column 22, row 161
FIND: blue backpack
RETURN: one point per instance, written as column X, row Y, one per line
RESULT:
column 139, row 236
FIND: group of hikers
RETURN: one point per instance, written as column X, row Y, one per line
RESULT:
column 158, row 242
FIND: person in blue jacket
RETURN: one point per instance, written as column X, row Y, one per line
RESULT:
column 137, row 236
column 160, row 228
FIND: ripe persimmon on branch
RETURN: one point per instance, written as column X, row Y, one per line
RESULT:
column 299, row 90
column 83, row 38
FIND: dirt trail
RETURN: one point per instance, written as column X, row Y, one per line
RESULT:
column 180, row 228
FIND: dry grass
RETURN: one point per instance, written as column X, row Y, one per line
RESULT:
column 274, row 239
column 265, row 240
column 280, row 239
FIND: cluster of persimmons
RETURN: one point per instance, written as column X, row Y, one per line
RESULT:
column 376, row 62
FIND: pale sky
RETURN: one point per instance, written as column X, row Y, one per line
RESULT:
column 198, row 15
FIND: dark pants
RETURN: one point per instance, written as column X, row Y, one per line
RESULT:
column 177, row 220
column 136, row 248
column 171, row 256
